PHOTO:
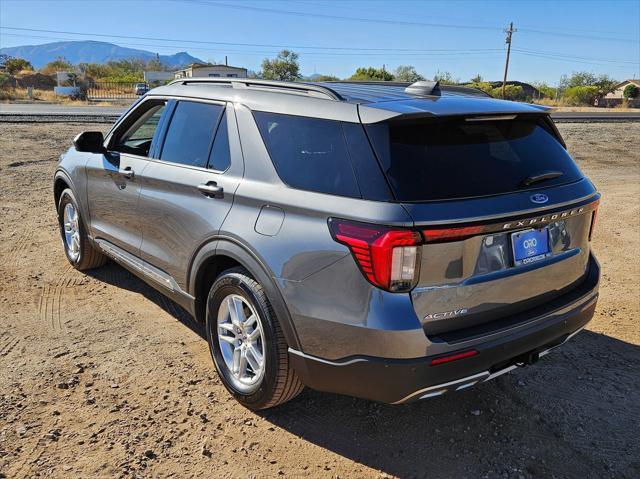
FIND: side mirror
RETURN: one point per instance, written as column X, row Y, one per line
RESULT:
column 89, row 141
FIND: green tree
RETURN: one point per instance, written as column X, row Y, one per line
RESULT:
column 546, row 90
column 156, row 64
column 16, row 65
column 445, row 78
column 630, row 91
column 325, row 78
column 371, row 74
column 477, row 79
column 284, row 67
column 407, row 73
column 604, row 83
column 60, row 64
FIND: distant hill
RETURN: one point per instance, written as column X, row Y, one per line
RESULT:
column 91, row 52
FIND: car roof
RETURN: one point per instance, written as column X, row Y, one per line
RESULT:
column 366, row 102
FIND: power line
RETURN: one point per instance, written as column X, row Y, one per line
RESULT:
column 568, row 57
column 548, row 57
column 396, row 22
column 204, row 42
column 452, row 53
column 354, row 51
column 336, row 17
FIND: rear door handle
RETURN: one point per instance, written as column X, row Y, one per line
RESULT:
column 211, row 190
column 127, row 172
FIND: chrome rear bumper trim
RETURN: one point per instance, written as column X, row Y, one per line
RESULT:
column 469, row 381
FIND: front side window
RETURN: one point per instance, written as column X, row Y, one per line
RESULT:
column 137, row 138
column 309, row 153
column 190, row 134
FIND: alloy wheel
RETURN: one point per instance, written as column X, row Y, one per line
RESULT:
column 71, row 231
column 241, row 340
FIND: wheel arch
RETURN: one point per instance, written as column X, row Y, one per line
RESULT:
column 224, row 253
column 61, row 181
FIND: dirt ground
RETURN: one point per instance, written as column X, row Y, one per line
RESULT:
column 100, row 376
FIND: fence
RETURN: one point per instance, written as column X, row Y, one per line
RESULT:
column 111, row 91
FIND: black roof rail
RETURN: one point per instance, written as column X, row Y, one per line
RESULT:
column 297, row 87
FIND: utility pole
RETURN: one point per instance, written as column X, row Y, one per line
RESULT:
column 506, row 65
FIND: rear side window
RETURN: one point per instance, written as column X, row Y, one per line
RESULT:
column 190, row 135
column 309, row 153
column 456, row 158
column 220, row 157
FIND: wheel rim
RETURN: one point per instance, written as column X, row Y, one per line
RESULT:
column 71, row 227
column 241, row 340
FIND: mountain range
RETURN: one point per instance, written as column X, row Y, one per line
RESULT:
column 90, row 51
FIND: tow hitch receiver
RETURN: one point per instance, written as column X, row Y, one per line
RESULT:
column 527, row 359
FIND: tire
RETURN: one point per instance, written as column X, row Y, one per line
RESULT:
column 86, row 256
column 275, row 382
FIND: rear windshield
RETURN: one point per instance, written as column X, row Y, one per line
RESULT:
column 458, row 158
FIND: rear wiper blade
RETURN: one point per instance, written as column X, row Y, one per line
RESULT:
column 542, row 176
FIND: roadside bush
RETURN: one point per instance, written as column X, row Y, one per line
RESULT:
column 36, row 80
column 481, row 85
column 631, row 91
column 371, row 74
column 546, row 90
column 580, row 95
column 5, row 80
column 511, row 92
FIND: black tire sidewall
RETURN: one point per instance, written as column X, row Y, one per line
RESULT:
column 235, row 283
column 67, row 197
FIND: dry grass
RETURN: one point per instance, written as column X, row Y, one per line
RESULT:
column 560, row 105
column 12, row 94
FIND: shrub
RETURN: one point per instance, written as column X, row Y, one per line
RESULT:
column 581, row 95
column 630, row 91
column 371, row 74
column 511, row 92
column 326, row 78
column 16, row 65
column 481, row 85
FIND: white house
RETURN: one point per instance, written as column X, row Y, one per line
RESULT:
column 617, row 93
column 197, row 70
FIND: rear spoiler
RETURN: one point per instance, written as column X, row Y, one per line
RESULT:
column 444, row 106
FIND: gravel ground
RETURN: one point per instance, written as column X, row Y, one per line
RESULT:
column 100, row 376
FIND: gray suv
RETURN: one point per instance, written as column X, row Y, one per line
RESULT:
column 382, row 240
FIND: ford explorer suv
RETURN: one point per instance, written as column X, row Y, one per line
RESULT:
column 388, row 241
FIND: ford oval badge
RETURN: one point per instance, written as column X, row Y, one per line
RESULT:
column 539, row 198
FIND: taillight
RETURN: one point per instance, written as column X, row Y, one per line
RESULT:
column 435, row 235
column 388, row 257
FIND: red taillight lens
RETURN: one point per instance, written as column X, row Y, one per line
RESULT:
column 389, row 258
column 435, row 235
column 453, row 357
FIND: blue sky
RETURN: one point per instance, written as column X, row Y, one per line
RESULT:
column 337, row 36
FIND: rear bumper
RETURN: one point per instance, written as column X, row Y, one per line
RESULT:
column 404, row 380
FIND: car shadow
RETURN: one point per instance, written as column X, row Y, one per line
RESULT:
column 574, row 414
column 116, row 275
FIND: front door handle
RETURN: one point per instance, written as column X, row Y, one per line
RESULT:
column 127, row 172
column 211, row 190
